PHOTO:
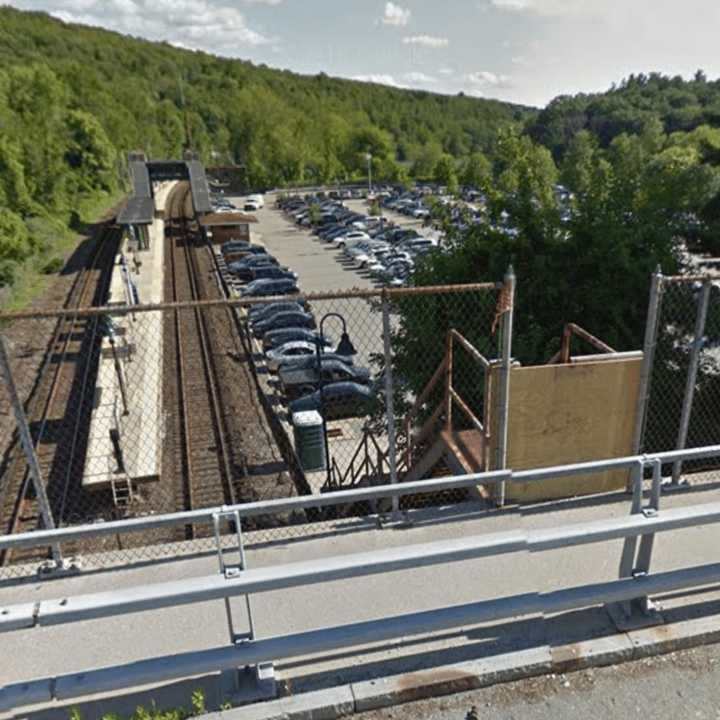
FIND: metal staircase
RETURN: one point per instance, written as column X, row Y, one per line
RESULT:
column 438, row 439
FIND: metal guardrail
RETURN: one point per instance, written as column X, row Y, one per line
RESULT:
column 634, row 584
column 42, row 538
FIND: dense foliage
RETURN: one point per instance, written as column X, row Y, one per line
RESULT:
column 678, row 104
column 583, row 252
column 74, row 100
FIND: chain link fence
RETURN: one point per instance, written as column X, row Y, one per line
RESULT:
column 683, row 407
column 144, row 410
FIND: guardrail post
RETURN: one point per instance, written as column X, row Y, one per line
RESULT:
column 644, row 556
column 503, row 406
column 697, row 345
column 264, row 672
column 28, row 447
column 390, row 400
column 627, row 559
column 636, row 563
column 649, row 345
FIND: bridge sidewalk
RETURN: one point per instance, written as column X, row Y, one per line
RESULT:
column 42, row 652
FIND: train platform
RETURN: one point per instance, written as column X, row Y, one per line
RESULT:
column 125, row 437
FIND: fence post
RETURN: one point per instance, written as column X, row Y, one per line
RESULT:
column 649, row 345
column 28, row 447
column 697, row 345
column 503, row 406
column 389, row 399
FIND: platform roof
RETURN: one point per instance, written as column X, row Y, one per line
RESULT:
column 199, row 187
column 138, row 211
column 140, row 179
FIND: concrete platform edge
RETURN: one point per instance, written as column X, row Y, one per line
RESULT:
column 345, row 700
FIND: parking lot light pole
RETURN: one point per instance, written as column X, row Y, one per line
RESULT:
column 368, row 157
column 345, row 347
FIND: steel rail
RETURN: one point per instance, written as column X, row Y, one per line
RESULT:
column 43, row 537
column 157, row 596
column 213, row 660
column 65, row 327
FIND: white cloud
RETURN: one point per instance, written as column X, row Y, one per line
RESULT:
column 378, row 78
column 419, row 77
column 446, row 71
column 216, row 26
column 395, row 15
column 430, row 41
column 551, row 7
column 512, row 4
column 485, row 78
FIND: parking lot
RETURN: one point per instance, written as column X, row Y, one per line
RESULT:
column 323, row 268
column 320, row 267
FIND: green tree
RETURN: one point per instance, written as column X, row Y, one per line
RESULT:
column 445, row 174
column 476, row 171
column 89, row 152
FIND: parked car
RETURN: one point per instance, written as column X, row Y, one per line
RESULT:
column 291, row 318
column 339, row 400
column 270, row 272
column 259, row 288
column 262, row 312
column 243, row 266
column 297, row 382
column 300, row 361
column 232, row 246
column 242, row 253
column 275, row 338
column 289, row 353
column 349, row 238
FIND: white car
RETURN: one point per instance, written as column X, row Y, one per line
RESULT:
column 259, row 200
column 350, row 238
column 295, row 349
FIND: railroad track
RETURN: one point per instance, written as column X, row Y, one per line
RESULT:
column 58, row 405
column 201, row 434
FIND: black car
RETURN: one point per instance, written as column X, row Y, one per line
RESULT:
column 233, row 246
column 339, row 400
column 297, row 382
column 260, row 288
column 251, row 261
column 291, row 318
column 257, row 271
column 268, row 272
column 263, row 312
column 273, row 338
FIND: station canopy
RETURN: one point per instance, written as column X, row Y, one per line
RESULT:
column 140, row 207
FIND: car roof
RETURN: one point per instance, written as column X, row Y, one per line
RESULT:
column 293, row 344
column 346, row 385
column 287, row 313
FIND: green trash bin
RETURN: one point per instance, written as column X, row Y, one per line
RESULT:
column 309, row 440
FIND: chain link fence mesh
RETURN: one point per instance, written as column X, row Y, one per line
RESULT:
column 144, row 411
column 681, row 304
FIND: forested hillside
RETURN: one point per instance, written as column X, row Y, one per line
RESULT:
column 74, row 100
column 679, row 105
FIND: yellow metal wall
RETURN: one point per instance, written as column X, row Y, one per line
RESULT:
column 561, row 414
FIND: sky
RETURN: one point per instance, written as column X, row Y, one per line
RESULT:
column 525, row 51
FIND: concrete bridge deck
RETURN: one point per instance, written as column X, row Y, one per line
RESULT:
column 45, row 651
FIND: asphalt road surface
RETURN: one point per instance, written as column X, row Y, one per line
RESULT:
column 680, row 685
